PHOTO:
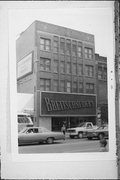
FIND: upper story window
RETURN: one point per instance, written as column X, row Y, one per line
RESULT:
column 75, row 86
column 88, row 53
column 62, row 67
column 105, row 73
column 68, row 86
column 89, row 70
column 80, row 87
column 79, row 50
column 68, row 68
column 56, row 44
column 45, row 64
column 55, row 85
column 56, row 66
column 62, row 45
column 45, row 44
column 90, row 88
column 45, row 84
column 74, row 68
column 62, row 85
column 102, row 72
column 80, row 69
column 74, row 48
column 62, row 57
column 68, row 47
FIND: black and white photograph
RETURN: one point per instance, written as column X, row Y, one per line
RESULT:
column 61, row 80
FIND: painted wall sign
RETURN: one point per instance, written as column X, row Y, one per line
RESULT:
column 67, row 104
column 24, row 66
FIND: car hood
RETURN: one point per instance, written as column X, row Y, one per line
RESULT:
column 75, row 128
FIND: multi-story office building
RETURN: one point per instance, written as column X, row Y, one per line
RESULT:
column 61, row 62
column 101, row 86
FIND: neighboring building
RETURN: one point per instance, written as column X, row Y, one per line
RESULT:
column 101, row 86
column 57, row 59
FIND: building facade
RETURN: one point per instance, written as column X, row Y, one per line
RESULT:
column 101, row 87
column 59, row 60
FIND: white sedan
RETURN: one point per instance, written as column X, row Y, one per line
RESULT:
column 38, row 134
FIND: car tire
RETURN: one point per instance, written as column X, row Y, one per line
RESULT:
column 89, row 138
column 72, row 137
column 50, row 140
column 80, row 135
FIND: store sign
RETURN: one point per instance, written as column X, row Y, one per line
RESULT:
column 67, row 104
column 24, row 66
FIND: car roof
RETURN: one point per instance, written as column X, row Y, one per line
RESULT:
column 27, row 128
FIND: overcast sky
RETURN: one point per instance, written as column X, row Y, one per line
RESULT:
column 96, row 21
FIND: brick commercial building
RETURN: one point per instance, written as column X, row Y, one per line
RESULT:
column 101, row 86
column 58, row 66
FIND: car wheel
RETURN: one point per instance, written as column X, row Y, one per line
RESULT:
column 100, row 136
column 72, row 137
column 89, row 138
column 50, row 140
column 80, row 135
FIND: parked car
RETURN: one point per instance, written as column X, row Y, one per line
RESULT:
column 80, row 131
column 38, row 134
column 98, row 133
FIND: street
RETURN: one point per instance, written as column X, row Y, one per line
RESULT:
column 63, row 146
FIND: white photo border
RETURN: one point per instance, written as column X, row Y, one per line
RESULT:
column 39, row 159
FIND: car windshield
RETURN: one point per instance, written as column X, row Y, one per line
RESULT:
column 23, row 130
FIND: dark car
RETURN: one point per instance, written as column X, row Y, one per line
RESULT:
column 98, row 133
column 38, row 134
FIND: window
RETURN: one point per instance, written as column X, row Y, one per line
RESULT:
column 79, row 50
column 89, row 71
column 62, row 57
column 74, row 68
column 62, row 45
column 62, row 86
column 89, row 88
column 105, row 73
column 45, row 64
column 62, row 67
column 68, row 58
column 80, row 69
column 56, row 44
column 45, row 44
column 75, row 86
column 55, row 85
column 68, row 69
column 80, row 87
column 68, row 86
column 88, row 53
column 56, row 66
column 45, row 84
column 100, row 73
column 68, row 47
column 74, row 48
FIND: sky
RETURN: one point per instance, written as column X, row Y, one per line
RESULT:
column 96, row 21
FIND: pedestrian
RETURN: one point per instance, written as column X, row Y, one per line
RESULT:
column 63, row 129
column 103, row 144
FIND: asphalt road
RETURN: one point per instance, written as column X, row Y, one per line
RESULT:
column 63, row 146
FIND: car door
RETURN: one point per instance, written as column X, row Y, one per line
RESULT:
column 43, row 134
column 30, row 136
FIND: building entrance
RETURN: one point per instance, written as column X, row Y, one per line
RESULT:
column 57, row 122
